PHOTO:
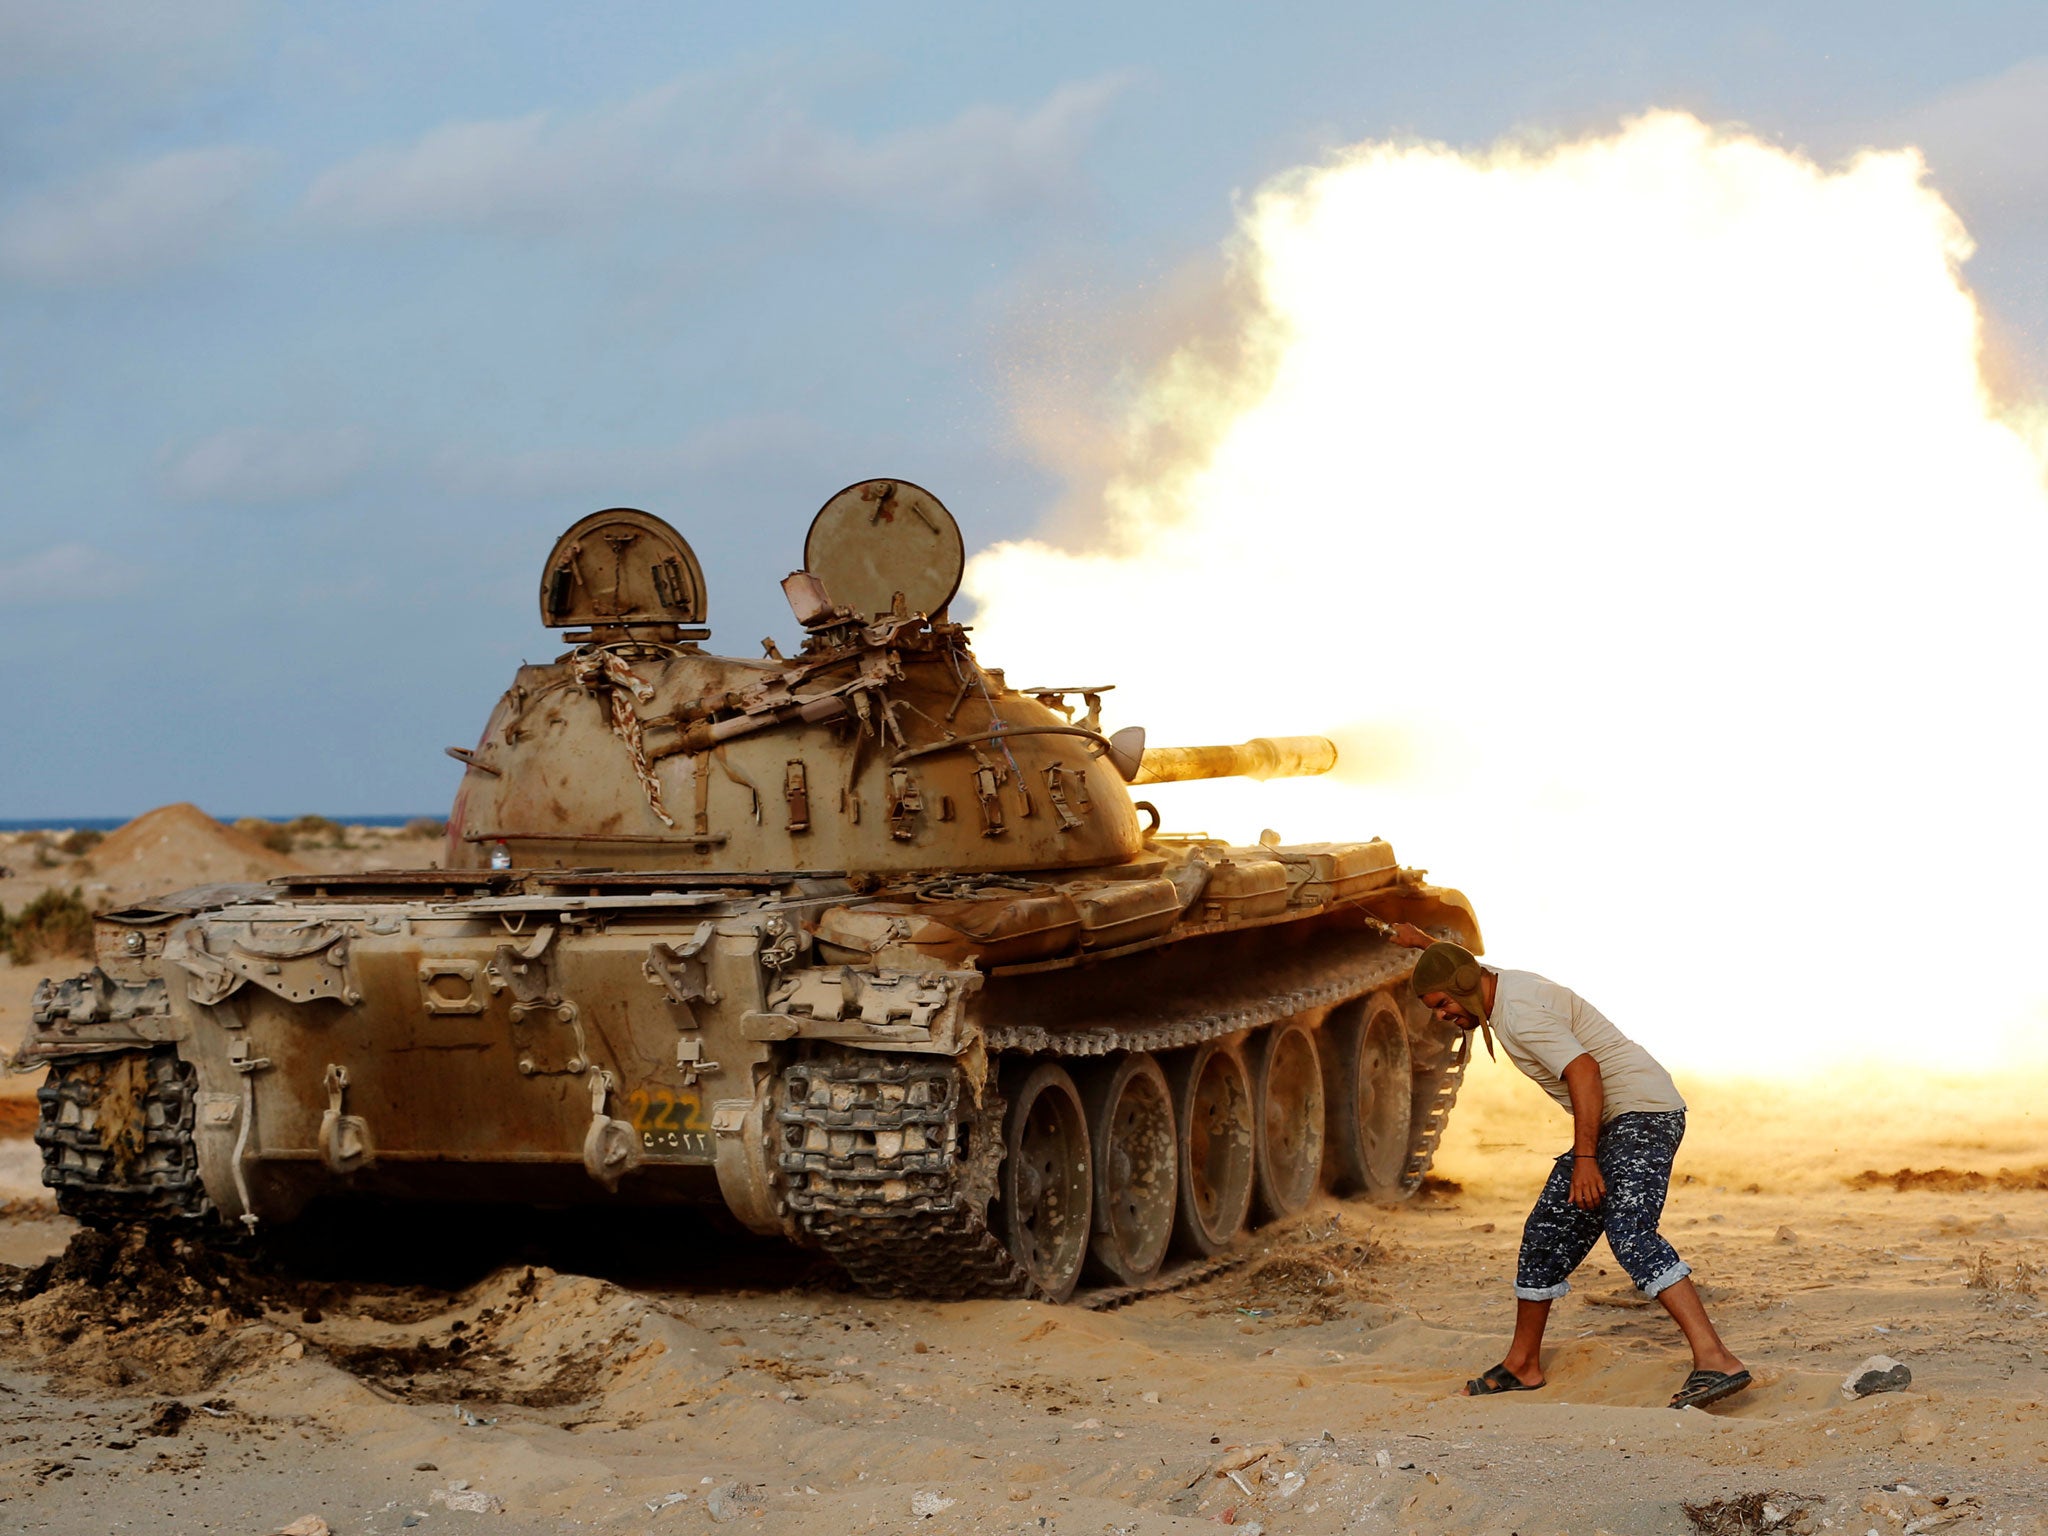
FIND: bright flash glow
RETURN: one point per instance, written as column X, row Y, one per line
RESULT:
column 1635, row 515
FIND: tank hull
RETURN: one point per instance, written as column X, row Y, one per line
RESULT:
column 542, row 1038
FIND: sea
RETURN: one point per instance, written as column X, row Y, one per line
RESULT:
column 109, row 823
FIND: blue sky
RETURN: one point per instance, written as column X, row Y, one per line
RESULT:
column 317, row 323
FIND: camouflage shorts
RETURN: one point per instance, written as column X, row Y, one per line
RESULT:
column 1635, row 1153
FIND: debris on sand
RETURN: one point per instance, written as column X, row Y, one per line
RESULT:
column 465, row 1499
column 1880, row 1373
column 1305, row 1277
column 1625, row 1298
column 1751, row 1514
column 2020, row 1283
column 167, row 1418
column 1953, row 1180
column 729, row 1501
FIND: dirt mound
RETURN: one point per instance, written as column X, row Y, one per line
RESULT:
column 175, row 846
column 139, row 1308
column 17, row 1116
column 1952, row 1181
column 147, row 1311
column 525, row 1336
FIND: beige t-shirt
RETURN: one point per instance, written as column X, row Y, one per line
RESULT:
column 1544, row 1028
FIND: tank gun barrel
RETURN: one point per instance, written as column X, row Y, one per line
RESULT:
column 1263, row 757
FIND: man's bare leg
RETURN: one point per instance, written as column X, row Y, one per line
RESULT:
column 1525, row 1354
column 1682, row 1301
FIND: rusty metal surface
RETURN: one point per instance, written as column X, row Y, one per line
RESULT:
column 621, row 567
column 883, row 540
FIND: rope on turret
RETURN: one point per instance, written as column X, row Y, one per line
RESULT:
column 601, row 671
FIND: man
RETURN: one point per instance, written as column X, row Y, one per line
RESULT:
column 1627, row 1120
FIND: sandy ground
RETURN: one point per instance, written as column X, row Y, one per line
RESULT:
column 448, row 1380
column 737, row 1381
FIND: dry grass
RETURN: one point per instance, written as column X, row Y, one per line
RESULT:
column 1746, row 1514
column 55, row 923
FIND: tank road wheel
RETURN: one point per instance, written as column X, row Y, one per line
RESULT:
column 1130, row 1125
column 1212, row 1116
column 1287, row 1119
column 1369, row 1076
column 1047, row 1180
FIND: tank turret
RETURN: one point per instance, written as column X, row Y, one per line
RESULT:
column 864, row 943
column 881, row 747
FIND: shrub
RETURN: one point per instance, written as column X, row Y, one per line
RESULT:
column 306, row 830
column 271, row 834
column 55, row 923
column 83, row 841
column 426, row 826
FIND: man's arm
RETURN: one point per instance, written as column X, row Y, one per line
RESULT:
column 1589, row 1098
column 1407, row 934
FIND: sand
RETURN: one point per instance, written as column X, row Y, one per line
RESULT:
column 451, row 1379
column 569, row 1395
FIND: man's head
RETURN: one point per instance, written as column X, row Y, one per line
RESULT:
column 1451, row 985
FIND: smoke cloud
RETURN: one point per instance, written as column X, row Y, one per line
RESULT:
column 1636, row 508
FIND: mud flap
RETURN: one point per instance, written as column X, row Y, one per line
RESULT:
column 611, row 1148
column 740, row 1146
column 344, row 1139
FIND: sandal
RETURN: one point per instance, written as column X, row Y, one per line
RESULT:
column 1704, row 1387
column 1498, row 1378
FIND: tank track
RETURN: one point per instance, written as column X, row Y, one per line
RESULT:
column 116, row 1137
column 1436, row 1101
column 889, row 1165
column 1174, row 1278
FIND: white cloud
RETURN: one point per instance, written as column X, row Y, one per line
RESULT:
column 72, row 574
column 705, row 139
column 129, row 220
column 257, row 465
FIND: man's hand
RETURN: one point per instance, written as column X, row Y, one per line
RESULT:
column 1589, row 1185
column 1589, row 1097
column 1411, row 936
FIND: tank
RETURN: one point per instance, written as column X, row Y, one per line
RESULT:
column 866, row 945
